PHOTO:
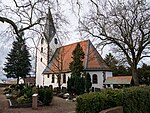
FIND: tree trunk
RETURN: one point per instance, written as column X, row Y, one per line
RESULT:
column 135, row 76
column 24, row 80
column 17, row 80
column 59, row 84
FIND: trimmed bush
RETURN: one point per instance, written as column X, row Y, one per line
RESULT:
column 45, row 95
column 137, row 100
column 23, row 99
column 133, row 100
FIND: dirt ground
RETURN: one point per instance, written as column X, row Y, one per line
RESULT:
column 58, row 105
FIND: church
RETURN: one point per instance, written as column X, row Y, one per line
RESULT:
column 53, row 59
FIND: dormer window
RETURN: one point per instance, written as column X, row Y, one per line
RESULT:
column 42, row 40
column 55, row 41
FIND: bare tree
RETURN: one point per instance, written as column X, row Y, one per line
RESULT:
column 30, row 15
column 57, row 66
column 125, row 24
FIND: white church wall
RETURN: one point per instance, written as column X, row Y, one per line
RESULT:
column 48, row 80
column 42, row 59
column 67, row 75
column 41, row 62
column 100, row 78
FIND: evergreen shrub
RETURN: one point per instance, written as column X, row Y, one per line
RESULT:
column 133, row 100
column 45, row 95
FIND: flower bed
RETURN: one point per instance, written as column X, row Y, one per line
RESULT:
column 21, row 95
column 15, row 104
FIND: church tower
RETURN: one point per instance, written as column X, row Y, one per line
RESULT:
column 46, row 47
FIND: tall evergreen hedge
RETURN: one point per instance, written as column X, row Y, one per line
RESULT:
column 133, row 100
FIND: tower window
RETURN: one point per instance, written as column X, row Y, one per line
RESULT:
column 55, row 41
column 41, row 59
column 41, row 49
column 94, row 79
column 42, row 40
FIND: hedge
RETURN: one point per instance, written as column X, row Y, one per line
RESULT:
column 133, row 100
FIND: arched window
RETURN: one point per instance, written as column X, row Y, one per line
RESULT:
column 42, row 40
column 64, row 78
column 41, row 59
column 94, row 79
column 53, row 78
column 41, row 49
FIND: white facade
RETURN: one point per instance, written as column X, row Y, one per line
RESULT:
column 41, row 60
column 48, row 80
column 100, row 78
column 99, row 84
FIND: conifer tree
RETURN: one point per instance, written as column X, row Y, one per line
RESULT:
column 70, row 85
column 76, row 80
column 76, row 66
column 88, row 83
column 18, row 62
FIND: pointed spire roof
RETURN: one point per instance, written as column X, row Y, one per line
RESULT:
column 62, row 58
column 49, row 30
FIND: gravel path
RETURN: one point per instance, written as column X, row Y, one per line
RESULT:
column 58, row 105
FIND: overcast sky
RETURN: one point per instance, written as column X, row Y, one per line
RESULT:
column 74, row 35
column 6, row 41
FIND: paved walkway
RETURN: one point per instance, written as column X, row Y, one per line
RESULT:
column 59, row 105
column 3, row 102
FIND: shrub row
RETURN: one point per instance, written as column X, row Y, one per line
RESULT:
column 23, row 93
column 133, row 100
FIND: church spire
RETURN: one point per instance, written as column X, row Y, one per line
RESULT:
column 49, row 30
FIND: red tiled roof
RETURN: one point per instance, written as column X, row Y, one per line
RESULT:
column 62, row 58
column 119, row 80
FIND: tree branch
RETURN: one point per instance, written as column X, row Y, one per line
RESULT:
column 3, row 19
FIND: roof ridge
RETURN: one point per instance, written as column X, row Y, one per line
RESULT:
column 98, row 57
column 87, row 55
column 75, row 43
